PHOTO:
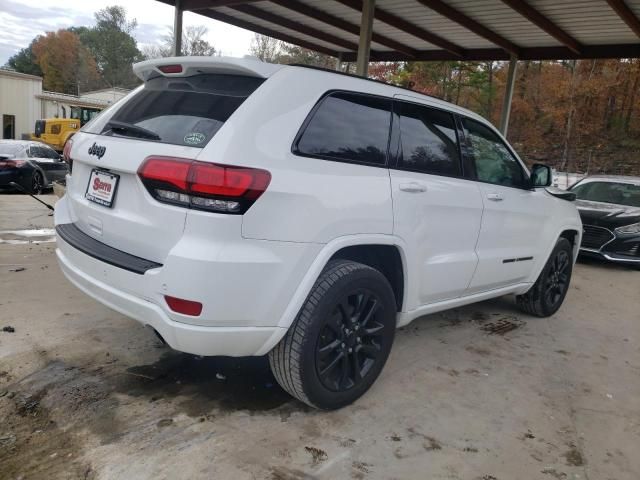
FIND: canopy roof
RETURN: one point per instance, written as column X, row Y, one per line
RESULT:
column 442, row 29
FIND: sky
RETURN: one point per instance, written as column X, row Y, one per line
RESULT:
column 22, row 20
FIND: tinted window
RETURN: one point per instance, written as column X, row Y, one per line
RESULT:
column 348, row 126
column 493, row 161
column 428, row 140
column 185, row 110
column 609, row 192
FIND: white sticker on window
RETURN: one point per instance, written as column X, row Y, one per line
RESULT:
column 194, row 138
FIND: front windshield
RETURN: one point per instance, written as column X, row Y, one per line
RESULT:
column 609, row 192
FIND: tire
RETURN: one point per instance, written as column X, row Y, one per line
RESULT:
column 35, row 185
column 317, row 360
column 547, row 294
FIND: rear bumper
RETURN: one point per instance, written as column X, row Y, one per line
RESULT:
column 198, row 340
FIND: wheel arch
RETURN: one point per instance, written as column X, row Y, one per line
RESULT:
column 571, row 232
column 349, row 247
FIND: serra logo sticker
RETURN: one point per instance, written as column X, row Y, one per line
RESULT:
column 194, row 138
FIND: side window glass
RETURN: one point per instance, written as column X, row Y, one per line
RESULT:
column 428, row 139
column 493, row 161
column 348, row 126
column 50, row 153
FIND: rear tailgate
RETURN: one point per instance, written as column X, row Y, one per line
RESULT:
column 135, row 223
column 173, row 115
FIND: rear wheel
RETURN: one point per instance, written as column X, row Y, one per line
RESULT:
column 341, row 339
column 36, row 184
column 547, row 294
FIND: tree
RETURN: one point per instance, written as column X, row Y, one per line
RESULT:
column 295, row 54
column 265, row 48
column 25, row 61
column 193, row 44
column 113, row 46
column 65, row 63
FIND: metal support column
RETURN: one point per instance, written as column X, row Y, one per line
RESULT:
column 508, row 95
column 339, row 62
column 366, row 30
column 177, row 29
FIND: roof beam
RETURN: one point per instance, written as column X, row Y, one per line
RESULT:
column 337, row 22
column 267, row 31
column 631, row 50
column 626, row 14
column 295, row 26
column 535, row 17
column 409, row 28
column 470, row 24
column 206, row 4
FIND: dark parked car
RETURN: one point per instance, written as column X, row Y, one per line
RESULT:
column 32, row 165
column 610, row 210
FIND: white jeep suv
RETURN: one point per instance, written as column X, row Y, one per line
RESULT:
column 241, row 208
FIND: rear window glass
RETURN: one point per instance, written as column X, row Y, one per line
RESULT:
column 10, row 148
column 182, row 111
column 347, row 126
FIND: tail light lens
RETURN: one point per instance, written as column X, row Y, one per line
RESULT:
column 203, row 186
column 6, row 164
column 66, row 153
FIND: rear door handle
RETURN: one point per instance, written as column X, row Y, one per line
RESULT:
column 413, row 187
column 495, row 197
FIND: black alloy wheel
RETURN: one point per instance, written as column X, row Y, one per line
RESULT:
column 546, row 295
column 338, row 344
column 557, row 279
column 349, row 344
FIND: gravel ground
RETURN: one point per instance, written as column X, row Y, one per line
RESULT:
column 482, row 392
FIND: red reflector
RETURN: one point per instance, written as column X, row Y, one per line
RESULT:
column 170, row 68
column 186, row 307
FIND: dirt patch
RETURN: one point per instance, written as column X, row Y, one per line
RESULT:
column 33, row 445
column 502, row 325
column 554, row 473
column 573, row 457
column 483, row 352
column 317, row 455
column 206, row 383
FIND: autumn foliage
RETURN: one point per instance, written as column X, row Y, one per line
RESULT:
column 64, row 61
column 581, row 116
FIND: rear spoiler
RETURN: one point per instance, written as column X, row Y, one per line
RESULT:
column 187, row 66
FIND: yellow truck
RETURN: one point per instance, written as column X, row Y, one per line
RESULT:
column 56, row 131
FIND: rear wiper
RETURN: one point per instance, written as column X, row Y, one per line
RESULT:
column 116, row 126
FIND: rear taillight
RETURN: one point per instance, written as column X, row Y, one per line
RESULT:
column 203, row 186
column 66, row 153
column 6, row 164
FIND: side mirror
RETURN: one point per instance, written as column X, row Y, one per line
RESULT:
column 540, row 176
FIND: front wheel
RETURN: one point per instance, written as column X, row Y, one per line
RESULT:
column 547, row 294
column 341, row 339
